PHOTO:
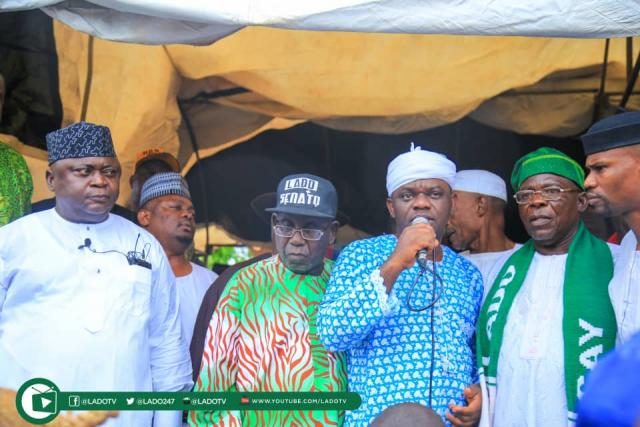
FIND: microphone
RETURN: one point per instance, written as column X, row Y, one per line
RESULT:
column 131, row 256
column 87, row 244
column 421, row 256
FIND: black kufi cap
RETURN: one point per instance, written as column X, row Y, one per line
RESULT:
column 616, row 131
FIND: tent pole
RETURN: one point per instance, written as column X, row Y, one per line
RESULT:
column 631, row 82
column 194, row 146
column 603, row 81
column 87, row 82
column 629, row 57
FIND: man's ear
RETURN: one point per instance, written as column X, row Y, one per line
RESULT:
column 50, row 178
column 333, row 232
column 390, row 208
column 583, row 202
column 482, row 206
column 144, row 217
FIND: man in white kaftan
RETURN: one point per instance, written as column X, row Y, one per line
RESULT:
column 612, row 146
column 547, row 318
column 87, row 299
column 167, row 212
column 476, row 224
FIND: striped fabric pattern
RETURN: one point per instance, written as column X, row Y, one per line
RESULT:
column 262, row 337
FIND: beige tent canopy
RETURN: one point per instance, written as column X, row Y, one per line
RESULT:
column 261, row 78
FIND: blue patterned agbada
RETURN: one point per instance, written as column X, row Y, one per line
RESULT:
column 388, row 345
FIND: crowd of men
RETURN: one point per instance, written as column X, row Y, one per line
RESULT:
column 493, row 333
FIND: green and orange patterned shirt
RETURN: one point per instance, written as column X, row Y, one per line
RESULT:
column 262, row 337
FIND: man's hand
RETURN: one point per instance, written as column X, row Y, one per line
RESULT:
column 467, row 416
column 412, row 239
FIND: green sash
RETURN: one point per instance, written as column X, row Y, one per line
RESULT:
column 588, row 325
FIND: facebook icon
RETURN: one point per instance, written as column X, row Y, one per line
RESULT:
column 74, row 401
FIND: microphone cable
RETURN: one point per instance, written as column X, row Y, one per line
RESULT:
column 435, row 282
column 133, row 257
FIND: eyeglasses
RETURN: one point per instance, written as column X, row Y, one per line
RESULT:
column 307, row 233
column 550, row 194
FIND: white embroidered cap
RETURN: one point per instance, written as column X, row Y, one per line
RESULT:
column 419, row 164
column 481, row 182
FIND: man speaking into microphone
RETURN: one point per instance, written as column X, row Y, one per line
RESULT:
column 408, row 324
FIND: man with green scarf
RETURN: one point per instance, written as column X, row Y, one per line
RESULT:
column 547, row 318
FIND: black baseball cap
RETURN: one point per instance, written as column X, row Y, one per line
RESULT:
column 308, row 195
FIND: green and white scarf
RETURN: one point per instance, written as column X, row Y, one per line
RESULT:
column 588, row 325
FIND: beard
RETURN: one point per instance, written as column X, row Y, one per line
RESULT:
column 601, row 206
column 185, row 240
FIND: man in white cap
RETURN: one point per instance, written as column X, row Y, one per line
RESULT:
column 149, row 162
column 167, row 212
column 476, row 224
column 407, row 325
